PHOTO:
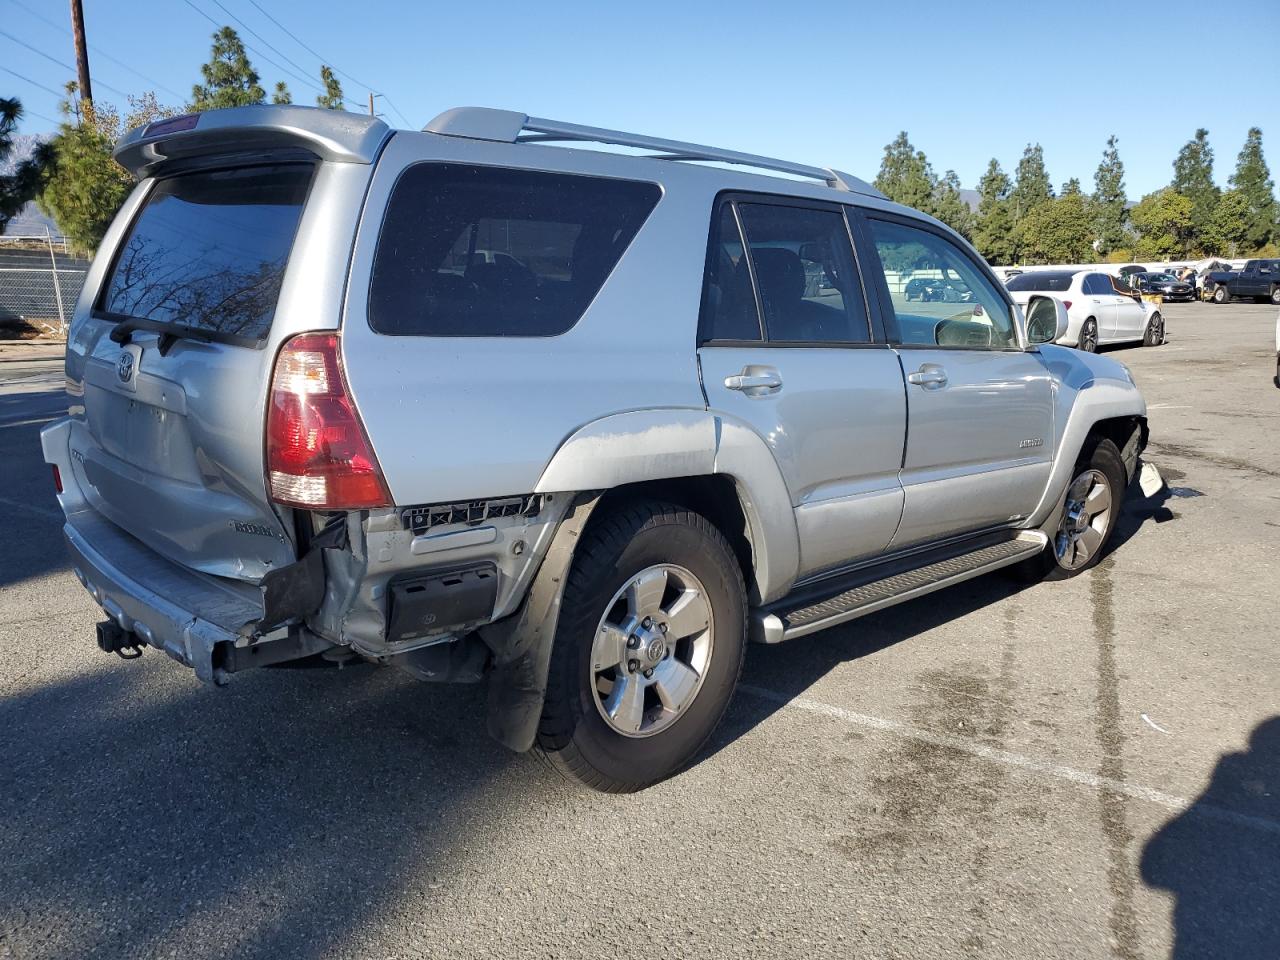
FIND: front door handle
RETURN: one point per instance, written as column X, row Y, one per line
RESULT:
column 931, row 376
column 755, row 381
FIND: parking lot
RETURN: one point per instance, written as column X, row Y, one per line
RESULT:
column 1082, row 769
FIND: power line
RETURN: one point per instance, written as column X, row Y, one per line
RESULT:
column 296, row 39
column 64, row 66
column 100, row 52
column 57, row 93
column 256, row 52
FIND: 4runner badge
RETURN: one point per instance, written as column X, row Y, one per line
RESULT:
column 1033, row 442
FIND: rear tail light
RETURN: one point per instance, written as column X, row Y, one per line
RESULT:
column 57, row 478
column 318, row 455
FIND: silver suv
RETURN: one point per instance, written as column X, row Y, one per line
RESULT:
column 475, row 404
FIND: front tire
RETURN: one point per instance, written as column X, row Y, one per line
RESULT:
column 1089, row 336
column 1088, row 517
column 1154, row 335
column 648, row 648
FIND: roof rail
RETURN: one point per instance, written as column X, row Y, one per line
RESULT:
column 509, row 126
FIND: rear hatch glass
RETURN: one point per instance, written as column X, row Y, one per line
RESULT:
column 173, row 451
column 207, row 253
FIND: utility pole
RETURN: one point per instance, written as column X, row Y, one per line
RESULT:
column 371, row 103
column 82, row 51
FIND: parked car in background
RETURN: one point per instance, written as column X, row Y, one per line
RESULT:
column 589, row 472
column 1124, row 273
column 1166, row 284
column 1260, row 280
column 1098, row 313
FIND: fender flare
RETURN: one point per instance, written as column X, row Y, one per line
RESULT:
column 670, row 443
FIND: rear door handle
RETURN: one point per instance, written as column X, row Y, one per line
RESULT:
column 755, row 381
column 931, row 376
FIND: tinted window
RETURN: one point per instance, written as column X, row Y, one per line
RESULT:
column 1048, row 281
column 487, row 252
column 804, row 272
column 728, row 302
column 209, row 249
column 1098, row 285
column 960, row 307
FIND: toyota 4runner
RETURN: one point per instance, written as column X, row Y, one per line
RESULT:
column 579, row 421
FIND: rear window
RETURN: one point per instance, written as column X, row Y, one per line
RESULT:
column 208, row 250
column 470, row 251
column 1041, row 280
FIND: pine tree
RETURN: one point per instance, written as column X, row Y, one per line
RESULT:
column 1227, row 234
column 1071, row 188
column 229, row 77
column 993, row 229
column 281, row 94
column 1253, row 181
column 1193, row 178
column 949, row 206
column 905, row 175
column 332, row 98
column 1108, row 200
column 1033, row 186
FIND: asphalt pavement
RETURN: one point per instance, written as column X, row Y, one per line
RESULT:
column 1084, row 769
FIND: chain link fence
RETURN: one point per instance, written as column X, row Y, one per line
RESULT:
column 39, row 283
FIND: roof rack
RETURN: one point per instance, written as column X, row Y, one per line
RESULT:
column 509, row 126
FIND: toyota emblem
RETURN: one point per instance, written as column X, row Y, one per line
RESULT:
column 124, row 367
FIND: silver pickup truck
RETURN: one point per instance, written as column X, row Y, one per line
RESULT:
column 574, row 411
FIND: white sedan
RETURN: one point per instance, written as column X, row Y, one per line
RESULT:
column 1098, row 312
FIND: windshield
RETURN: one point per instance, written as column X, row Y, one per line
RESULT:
column 208, row 251
column 1048, row 280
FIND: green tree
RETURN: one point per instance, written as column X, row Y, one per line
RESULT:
column 1059, row 231
column 229, row 77
column 993, row 226
column 1032, row 186
column 1193, row 178
column 80, row 186
column 331, row 99
column 1227, row 233
column 1252, row 180
column 905, row 175
column 281, row 94
column 1071, row 188
column 1164, row 223
column 20, row 186
column 949, row 206
column 1108, row 200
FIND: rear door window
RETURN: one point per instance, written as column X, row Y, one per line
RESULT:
column 468, row 251
column 208, row 251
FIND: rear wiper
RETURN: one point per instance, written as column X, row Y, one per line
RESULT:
column 122, row 333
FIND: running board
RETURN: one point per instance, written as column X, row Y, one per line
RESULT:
column 898, row 582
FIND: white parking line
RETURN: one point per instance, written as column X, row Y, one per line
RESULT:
column 1016, row 760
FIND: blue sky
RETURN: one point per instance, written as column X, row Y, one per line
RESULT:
column 823, row 83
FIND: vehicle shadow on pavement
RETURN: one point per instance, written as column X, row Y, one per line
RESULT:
column 278, row 817
column 29, row 511
column 1221, row 858
column 787, row 670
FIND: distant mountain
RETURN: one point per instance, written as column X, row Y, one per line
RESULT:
column 971, row 197
column 23, row 145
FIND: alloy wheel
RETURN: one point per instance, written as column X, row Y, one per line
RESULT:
column 1086, row 518
column 651, row 650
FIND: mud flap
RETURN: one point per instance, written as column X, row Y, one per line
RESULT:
column 521, row 643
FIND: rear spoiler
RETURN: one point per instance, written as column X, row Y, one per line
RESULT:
column 328, row 134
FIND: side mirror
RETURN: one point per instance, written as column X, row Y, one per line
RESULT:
column 1046, row 319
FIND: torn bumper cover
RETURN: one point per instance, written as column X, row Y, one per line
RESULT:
column 196, row 619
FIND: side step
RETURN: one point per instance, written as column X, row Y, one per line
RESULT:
column 884, row 584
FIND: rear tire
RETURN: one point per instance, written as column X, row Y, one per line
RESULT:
column 648, row 648
column 1087, row 519
column 1275, row 295
column 1154, row 335
column 1089, row 336
column 1220, row 294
